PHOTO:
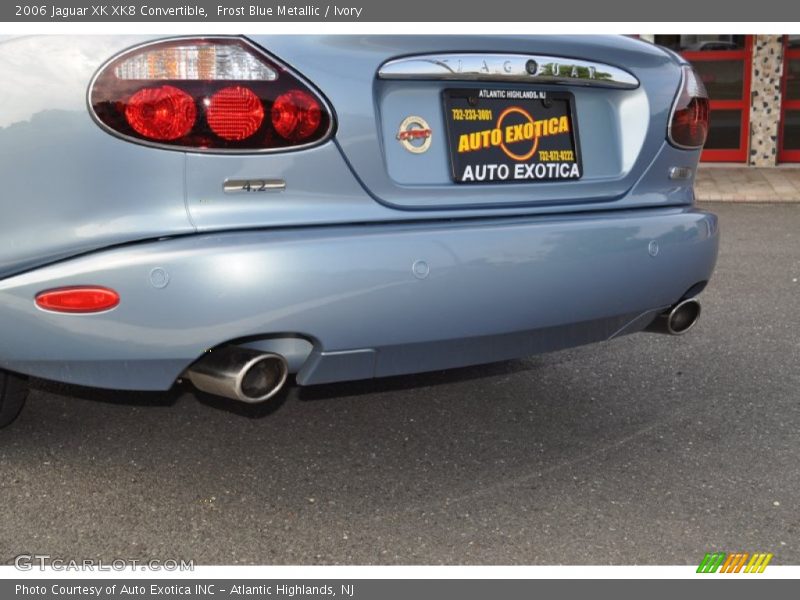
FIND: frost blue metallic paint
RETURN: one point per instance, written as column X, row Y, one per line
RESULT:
column 323, row 270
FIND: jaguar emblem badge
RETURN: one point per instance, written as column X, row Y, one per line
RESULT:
column 415, row 134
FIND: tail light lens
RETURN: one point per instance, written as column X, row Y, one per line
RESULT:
column 161, row 113
column 688, row 126
column 212, row 94
column 235, row 113
column 295, row 115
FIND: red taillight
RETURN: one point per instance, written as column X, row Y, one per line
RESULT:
column 161, row 113
column 78, row 299
column 207, row 95
column 296, row 115
column 690, row 124
column 234, row 113
column 689, row 121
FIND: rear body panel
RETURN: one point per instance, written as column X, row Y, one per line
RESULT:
column 622, row 130
column 372, row 261
column 70, row 187
column 374, row 300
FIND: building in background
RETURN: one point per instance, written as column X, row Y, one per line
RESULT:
column 754, row 85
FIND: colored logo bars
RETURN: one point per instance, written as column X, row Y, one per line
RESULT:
column 735, row 563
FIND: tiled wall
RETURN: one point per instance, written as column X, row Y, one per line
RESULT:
column 765, row 99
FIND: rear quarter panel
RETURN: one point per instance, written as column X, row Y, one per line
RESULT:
column 68, row 187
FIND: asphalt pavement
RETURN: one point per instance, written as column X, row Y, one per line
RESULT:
column 645, row 450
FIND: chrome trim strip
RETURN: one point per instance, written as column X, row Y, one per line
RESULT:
column 525, row 68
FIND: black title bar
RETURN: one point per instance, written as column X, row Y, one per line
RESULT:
column 401, row 11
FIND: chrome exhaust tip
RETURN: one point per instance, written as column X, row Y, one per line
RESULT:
column 677, row 320
column 239, row 374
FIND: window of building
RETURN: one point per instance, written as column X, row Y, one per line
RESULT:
column 789, row 138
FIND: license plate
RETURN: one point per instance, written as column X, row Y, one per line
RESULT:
column 511, row 135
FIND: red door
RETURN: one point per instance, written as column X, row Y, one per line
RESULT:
column 789, row 130
column 726, row 73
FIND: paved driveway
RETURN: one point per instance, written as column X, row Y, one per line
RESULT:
column 648, row 449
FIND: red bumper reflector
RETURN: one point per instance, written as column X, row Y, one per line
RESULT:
column 78, row 299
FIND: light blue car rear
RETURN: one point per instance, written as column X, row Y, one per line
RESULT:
column 357, row 254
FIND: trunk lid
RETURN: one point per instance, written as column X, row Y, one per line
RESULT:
column 381, row 87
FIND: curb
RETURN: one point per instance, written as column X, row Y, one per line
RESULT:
column 733, row 183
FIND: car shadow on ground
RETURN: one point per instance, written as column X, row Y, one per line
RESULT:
column 409, row 382
column 292, row 391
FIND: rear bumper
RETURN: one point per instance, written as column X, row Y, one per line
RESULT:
column 373, row 300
